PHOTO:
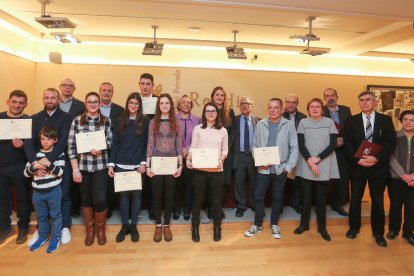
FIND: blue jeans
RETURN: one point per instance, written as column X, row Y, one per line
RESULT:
column 124, row 202
column 47, row 205
column 278, row 185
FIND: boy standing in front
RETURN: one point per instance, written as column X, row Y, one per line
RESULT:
column 47, row 193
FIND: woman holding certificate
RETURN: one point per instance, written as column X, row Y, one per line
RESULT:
column 164, row 153
column 128, row 154
column 90, row 137
column 209, row 148
column 316, row 165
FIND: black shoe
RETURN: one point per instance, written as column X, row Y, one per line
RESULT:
column 5, row 234
column 240, row 212
column 22, row 236
column 352, row 234
column 209, row 214
column 187, row 215
column 217, row 233
column 176, row 215
column 195, row 234
column 151, row 214
column 75, row 214
column 298, row 209
column 325, row 235
column 133, row 231
column 122, row 233
column 409, row 237
column 379, row 239
column 109, row 213
column 392, row 235
column 223, row 216
column 301, row 229
column 341, row 211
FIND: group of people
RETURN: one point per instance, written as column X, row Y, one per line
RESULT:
column 314, row 151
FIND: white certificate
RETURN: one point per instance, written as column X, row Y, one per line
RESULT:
column 15, row 128
column 164, row 165
column 87, row 141
column 204, row 158
column 148, row 105
column 266, row 156
column 127, row 181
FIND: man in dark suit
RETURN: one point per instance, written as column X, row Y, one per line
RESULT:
column 292, row 113
column 379, row 129
column 112, row 111
column 338, row 113
column 243, row 162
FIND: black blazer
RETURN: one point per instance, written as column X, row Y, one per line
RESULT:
column 77, row 108
column 384, row 135
column 115, row 113
column 236, row 148
column 343, row 111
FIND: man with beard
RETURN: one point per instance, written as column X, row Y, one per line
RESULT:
column 53, row 116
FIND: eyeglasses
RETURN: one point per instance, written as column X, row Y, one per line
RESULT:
column 92, row 103
column 133, row 104
column 67, row 85
column 211, row 111
column 289, row 102
column 247, row 104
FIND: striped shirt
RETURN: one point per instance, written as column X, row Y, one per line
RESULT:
column 50, row 180
column 87, row 161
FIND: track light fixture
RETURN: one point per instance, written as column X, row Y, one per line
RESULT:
column 307, row 37
column 153, row 48
column 66, row 37
column 234, row 52
column 53, row 22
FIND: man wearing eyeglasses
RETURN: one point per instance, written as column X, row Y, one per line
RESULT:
column 243, row 162
column 68, row 103
column 292, row 113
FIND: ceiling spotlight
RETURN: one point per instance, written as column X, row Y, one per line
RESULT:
column 53, row 22
column 66, row 37
column 308, row 37
column 313, row 52
column 153, row 48
column 234, row 52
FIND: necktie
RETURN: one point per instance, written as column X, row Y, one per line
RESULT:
column 246, row 135
column 368, row 130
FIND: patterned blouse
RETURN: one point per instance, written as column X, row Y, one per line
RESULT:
column 164, row 143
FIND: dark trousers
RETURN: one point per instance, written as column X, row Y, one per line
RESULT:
column 211, row 183
column 227, row 176
column 401, row 194
column 74, row 188
column 278, row 185
column 295, row 197
column 245, row 168
column 146, row 191
column 307, row 188
column 12, row 176
column 341, row 185
column 184, row 187
column 129, row 200
column 93, row 189
column 66, row 205
column 376, row 190
column 162, row 187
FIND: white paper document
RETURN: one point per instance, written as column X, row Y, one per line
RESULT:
column 266, row 156
column 127, row 181
column 15, row 128
column 148, row 105
column 164, row 165
column 87, row 141
column 204, row 158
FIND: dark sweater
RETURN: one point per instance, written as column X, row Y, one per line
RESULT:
column 59, row 120
column 10, row 155
column 128, row 148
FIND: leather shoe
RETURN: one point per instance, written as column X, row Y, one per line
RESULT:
column 301, row 229
column 409, row 237
column 217, row 233
column 187, row 215
column 298, row 209
column 379, row 239
column 167, row 233
column 158, row 234
column 352, row 234
column 176, row 215
column 240, row 212
column 22, row 236
column 341, row 211
column 325, row 235
column 391, row 235
column 151, row 214
column 195, row 234
column 109, row 213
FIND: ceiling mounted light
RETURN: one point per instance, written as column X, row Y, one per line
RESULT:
column 53, row 22
column 307, row 37
column 153, row 48
column 234, row 52
column 66, row 37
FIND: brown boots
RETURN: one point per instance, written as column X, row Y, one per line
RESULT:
column 89, row 220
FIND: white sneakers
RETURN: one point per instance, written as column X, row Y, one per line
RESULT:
column 254, row 229
column 276, row 232
column 33, row 239
column 66, row 237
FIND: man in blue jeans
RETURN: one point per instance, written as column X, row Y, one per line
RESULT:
column 273, row 131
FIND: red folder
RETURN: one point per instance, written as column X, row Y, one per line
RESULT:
column 368, row 148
